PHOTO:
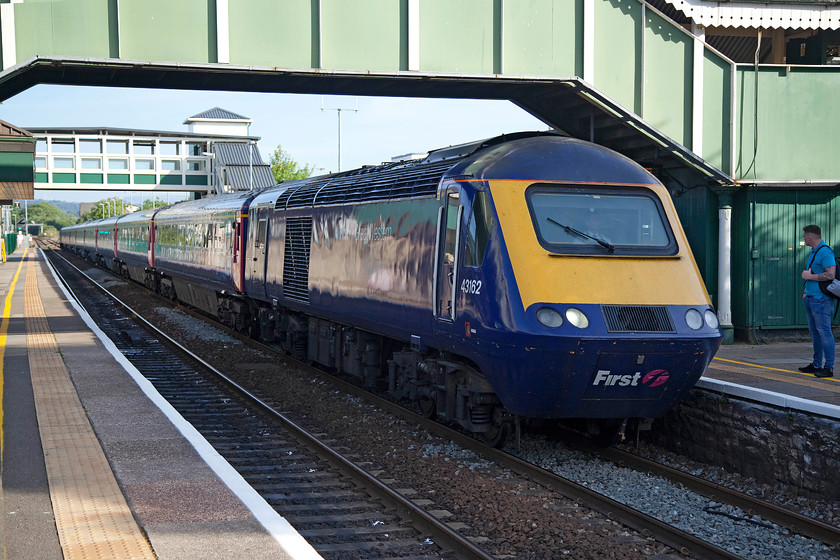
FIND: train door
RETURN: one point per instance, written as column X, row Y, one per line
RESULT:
column 448, row 257
column 150, row 250
column 258, row 253
column 237, row 266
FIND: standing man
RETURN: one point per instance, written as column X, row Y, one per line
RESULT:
column 818, row 306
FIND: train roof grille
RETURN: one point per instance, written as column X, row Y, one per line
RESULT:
column 384, row 182
column 637, row 318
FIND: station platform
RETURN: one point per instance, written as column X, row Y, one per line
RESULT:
column 95, row 465
column 767, row 373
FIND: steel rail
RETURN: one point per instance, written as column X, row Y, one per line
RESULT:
column 446, row 537
column 795, row 522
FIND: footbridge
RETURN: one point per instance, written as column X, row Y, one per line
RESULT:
column 721, row 134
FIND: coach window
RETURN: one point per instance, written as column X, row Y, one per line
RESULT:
column 261, row 229
column 478, row 231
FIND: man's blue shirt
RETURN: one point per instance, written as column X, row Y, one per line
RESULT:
column 824, row 258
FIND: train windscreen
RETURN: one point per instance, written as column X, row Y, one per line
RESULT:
column 594, row 220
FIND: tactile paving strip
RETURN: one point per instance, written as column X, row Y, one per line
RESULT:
column 92, row 516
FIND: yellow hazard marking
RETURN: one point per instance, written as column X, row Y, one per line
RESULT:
column 4, row 329
column 772, row 368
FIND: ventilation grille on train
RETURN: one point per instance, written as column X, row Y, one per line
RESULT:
column 637, row 318
column 384, row 182
column 296, row 259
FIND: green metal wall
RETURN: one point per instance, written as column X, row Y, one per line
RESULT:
column 697, row 208
column 638, row 58
column 770, row 256
column 797, row 123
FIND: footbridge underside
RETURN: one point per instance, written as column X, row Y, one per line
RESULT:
column 569, row 105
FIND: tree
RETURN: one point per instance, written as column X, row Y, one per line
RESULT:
column 44, row 213
column 109, row 207
column 156, row 203
column 284, row 168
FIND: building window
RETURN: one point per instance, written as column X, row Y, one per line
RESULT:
column 41, row 145
column 118, row 164
column 170, row 148
column 89, row 146
column 195, row 165
column 144, row 164
column 118, row 146
column 40, row 162
column 63, row 145
column 144, row 147
column 196, row 148
column 170, row 165
column 64, row 163
column 91, row 163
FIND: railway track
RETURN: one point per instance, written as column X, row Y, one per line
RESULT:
column 676, row 539
column 342, row 510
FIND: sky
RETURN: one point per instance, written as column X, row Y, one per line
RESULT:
column 381, row 128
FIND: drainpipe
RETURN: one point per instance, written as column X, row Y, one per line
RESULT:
column 724, row 303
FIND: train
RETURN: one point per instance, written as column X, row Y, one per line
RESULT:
column 529, row 277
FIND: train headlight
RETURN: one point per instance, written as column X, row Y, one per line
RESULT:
column 549, row 317
column 711, row 319
column 577, row 318
column 694, row 319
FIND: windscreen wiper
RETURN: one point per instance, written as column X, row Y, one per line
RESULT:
column 569, row 229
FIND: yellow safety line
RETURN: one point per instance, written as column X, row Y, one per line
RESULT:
column 4, row 329
column 773, row 369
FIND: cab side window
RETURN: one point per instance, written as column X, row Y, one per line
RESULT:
column 478, row 230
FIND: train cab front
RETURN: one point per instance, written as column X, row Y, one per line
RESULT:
column 615, row 321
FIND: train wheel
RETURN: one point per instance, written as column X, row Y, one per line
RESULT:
column 427, row 407
column 497, row 435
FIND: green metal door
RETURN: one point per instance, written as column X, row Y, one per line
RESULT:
column 779, row 255
column 774, row 260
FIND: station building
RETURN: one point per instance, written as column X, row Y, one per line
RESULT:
column 216, row 156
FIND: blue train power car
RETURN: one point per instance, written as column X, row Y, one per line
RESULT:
column 530, row 276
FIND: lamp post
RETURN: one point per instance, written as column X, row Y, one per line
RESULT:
column 339, row 110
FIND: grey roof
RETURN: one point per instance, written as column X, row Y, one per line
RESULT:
column 219, row 113
column 236, row 152
column 239, row 176
column 101, row 131
column 239, row 160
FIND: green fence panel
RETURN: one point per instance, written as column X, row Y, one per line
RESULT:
column 272, row 33
column 717, row 110
column 543, row 38
column 78, row 28
column 459, row 36
column 11, row 243
column 668, row 78
column 617, row 51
